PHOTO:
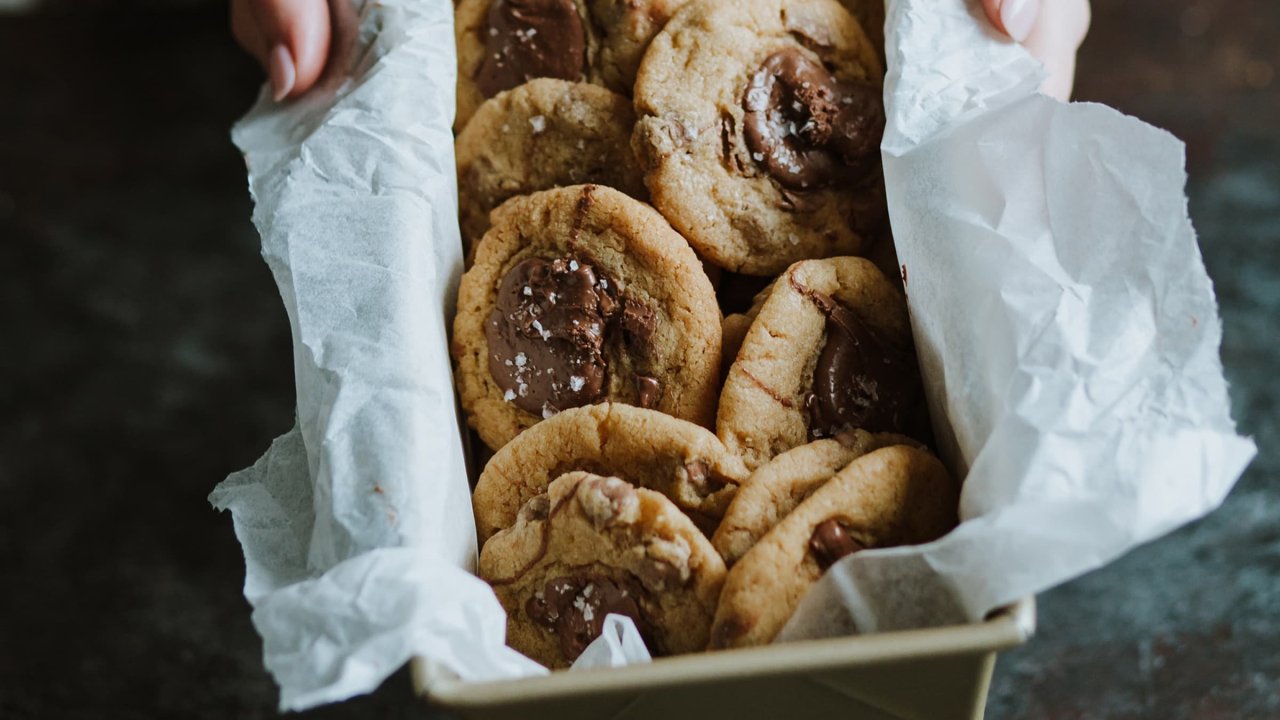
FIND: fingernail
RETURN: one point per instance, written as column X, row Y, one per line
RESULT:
column 1018, row 17
column 281, row 71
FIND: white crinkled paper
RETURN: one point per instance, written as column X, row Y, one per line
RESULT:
column 1048, row 259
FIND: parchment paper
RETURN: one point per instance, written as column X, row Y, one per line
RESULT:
column 1047, row 255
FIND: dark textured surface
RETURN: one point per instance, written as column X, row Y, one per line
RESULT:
column 146, row 354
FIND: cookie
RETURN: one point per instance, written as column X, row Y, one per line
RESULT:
column 779, row 486
column 830, row 350
column 543, row 134
column 759, row 126
column 579, row 295
column 505, row 43
column 871, row 16
column 678, row 459
column 890, row 497
column 590, row 546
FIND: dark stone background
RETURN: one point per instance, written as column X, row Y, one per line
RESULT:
column 145, row 355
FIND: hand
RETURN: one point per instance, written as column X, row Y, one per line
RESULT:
column 1051, row 30
column 289, row 37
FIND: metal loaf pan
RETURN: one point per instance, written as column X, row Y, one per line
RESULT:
column 932, row 674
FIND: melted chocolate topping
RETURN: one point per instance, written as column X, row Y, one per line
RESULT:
column 805, row 127
column 529, row 39
column 830, row 542
column 650, row 391
column 862, row 382
column 574, row 607
column 548, row 330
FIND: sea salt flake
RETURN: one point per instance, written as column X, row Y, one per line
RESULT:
column 573, row 265
column 539, row 123
column 576, row 383
column 509, row 395
column 528, row 291
column 521, row 358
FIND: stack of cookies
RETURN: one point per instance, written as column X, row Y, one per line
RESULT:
column 622, row 168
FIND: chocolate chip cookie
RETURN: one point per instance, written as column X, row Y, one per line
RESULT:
column 593, row 545
column 505, row 43
column 678, row 459
column 779, row 486
column 759, row 127
column 580, row 295
column 830, row 350
column 543, row 134
column 893, row 496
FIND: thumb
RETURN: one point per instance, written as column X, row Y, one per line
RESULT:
column 289, row 37
column 1015, row 18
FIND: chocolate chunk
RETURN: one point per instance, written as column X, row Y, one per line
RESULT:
column 574, row 607
column 607, row 500
column 546, row 335
column 638, row 322
column 549, row 330
column 659, row 575
column 538, row 507
column 862, row 382
column 831, row 541
column 805, row 127
column 529, row 39
column 650, row 390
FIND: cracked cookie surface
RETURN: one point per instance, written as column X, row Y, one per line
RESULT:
column 890, row 497
column 543, row 134
column 684, row 462
column 776, row 488
column 593, row 545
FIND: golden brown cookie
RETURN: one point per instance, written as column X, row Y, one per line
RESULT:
column 543, row 134
column 678, row 459
column 893, row 496
column 579, row 295
column 871, row 16
column 830, row 350
column 505, row 43
column 595, row 545
column 784, row 482
column 759, row 126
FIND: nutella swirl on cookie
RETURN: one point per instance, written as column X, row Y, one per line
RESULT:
column 860, row 381
column 806, row 128
column 574, row 608
column 548, row 332
column 529, row 39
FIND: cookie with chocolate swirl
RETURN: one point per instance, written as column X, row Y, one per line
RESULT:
column 505, row 43
column 581, row 295
column 758, row 126
column 890, row 497
column 776, row 488
column 829, row 349
column 590, row 546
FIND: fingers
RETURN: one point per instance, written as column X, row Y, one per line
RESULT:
column 1051, row 30
column 1015, row 18
column 289, row 37
column 1055, row 40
